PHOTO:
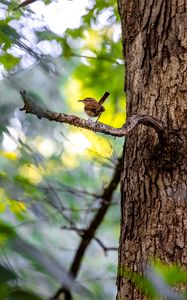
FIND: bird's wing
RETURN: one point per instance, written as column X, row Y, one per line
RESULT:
column 91, row 107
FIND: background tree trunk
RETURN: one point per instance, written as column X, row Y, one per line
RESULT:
column 154, row 183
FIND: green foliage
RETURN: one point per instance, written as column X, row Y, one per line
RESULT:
column 52, row 176
column 8, row 37
column 9, row 61
column 7, row 34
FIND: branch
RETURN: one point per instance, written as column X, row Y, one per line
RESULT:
column 24, row 3
column 105, row 249
column 89, row 233
column 104, row 58
column 81, row 234
column 31, row 107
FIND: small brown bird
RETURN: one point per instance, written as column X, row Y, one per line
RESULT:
column 93, row 108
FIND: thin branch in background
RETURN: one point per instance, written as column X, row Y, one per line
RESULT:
column 103, row 276
column 60, row 187
column 73, row 226
column 105, row 249
column 89, row 233
column 98, row 218
column 86, row 209
column 83, row 209
column 81, row 232
column 51, row 193
column 103, row 58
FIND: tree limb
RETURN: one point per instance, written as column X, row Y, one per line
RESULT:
column 30, row 107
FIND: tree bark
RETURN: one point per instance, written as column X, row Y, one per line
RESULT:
column 154, row 181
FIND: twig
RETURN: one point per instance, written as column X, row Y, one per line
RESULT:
column 81, row 233
column 105, row 249
column 31, row 107
column 104, row 58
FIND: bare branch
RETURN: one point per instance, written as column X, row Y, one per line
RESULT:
column 105, row 249
column 81, row 234
column 104, row 58
column 32, row 108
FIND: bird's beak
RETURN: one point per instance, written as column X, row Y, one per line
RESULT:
column 80, row 100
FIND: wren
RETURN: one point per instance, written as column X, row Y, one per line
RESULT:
column 93, row 108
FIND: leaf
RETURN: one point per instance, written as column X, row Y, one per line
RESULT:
column 8, row 155
column 7, row 32
column 9, row 61
column 5, row 41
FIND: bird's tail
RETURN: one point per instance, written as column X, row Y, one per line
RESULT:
column 103, row 98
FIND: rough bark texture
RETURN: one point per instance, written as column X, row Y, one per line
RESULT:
column 154, row 183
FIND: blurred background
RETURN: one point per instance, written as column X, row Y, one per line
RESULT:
column 52, row 175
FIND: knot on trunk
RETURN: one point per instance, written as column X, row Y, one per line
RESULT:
column 168, row 154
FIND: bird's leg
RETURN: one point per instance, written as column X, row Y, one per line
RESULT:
column 98, row 116
column 90, row 119
column 97, row 120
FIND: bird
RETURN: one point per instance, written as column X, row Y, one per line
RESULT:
column 94, row 108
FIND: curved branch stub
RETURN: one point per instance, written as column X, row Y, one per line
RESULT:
column 169, row 155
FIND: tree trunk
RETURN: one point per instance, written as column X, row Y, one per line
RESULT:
column 154, row 181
